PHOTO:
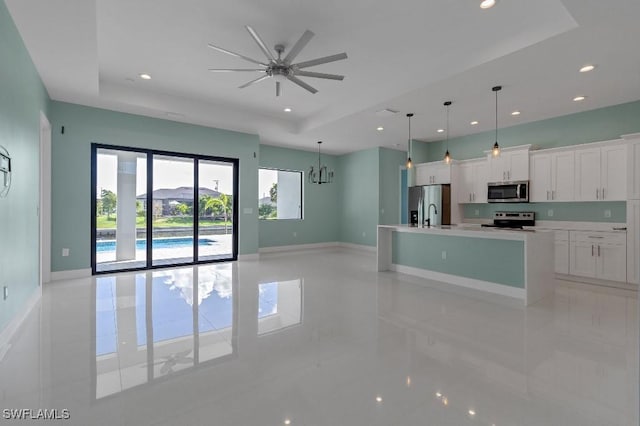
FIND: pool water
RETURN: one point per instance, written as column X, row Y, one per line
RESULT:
column 158, row 243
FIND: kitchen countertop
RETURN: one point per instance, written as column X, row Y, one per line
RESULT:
column 468, row 230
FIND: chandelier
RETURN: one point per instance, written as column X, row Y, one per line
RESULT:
column 321, row 174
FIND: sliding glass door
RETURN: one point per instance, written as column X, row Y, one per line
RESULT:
column 155, row 208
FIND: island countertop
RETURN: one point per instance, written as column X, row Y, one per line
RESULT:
column 469, row 230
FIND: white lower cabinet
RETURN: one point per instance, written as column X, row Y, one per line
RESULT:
column 633, row 241
column 561, row 252
column 601, row 255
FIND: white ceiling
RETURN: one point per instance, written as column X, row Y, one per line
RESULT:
column 408, row 55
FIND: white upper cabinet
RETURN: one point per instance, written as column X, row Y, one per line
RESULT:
column 552, row 176
column 601, row 173
column 472, row 181
column 433, row 173
column 511, row 165
column 633, row 167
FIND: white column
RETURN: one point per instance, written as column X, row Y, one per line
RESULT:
column 126, row 207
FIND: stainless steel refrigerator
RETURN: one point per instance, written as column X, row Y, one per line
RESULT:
column 429, row 205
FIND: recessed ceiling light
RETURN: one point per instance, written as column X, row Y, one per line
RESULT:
column 287, row 110
column 145, row 76
column 473, row 123
column 438, row 394
column 440, row 130
column 515, row 113
column 487, row 4
column 579, row 98
column 287, row 422
column 380, row 129
column 472, row 413
column 587, row 68
column 445, row 400
column 378, row 399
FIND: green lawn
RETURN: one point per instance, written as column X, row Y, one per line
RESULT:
column 164, row 222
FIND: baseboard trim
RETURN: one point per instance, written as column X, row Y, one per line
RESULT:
column 504, row 290
column 71, row 274
column 10, row 330
column 595, row 281
column 252, row 256
column 296, row 247
column 361, row 247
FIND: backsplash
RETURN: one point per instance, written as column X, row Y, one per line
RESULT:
column 614, row 211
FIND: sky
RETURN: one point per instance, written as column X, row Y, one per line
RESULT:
column 166, row 174
column 174, row 173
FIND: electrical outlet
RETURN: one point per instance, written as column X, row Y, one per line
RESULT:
column 364, row 234
column 444, row 255
column 5, row 292
column 550, row 212
column 295, row 234
column 381, row 211
column 607, row 213
column 65, row 252
column 477, row 212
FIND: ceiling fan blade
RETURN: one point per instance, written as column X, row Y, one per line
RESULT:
column 257, row 80
column 320, row 75
column 300, row 44
column 237, row 55
column 258, row 40
column 235, row 69
column 319, row 61
column 302, row 84
column 277, row 88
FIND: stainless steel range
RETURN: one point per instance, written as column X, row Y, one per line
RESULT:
column 512, row 220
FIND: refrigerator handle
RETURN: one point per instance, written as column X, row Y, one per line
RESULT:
column 420, row 210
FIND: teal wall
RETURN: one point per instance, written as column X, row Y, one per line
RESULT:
column 22, row 98
column 577, row 211
column 359, row 196
column 320, row 202
column 584, row 127
column 71, row 169
column 466, row 257
column 390, row 161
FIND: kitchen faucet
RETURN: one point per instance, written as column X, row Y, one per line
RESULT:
column 435, row 211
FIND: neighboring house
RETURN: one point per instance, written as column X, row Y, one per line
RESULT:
column 265, row 200
column 165, row 200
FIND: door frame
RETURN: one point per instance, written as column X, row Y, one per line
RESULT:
column 44, row 209
column 150, row 153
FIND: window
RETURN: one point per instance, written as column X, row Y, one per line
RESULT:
column 280, row 194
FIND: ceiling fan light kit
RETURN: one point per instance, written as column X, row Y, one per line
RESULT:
column 283, row 69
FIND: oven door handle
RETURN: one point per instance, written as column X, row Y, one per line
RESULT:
column 518, row 192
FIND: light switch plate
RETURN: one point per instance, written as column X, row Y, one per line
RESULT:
column 65, row 252
column 5, row 292
column 477, row 212
column 550, row 212
column 607, row 213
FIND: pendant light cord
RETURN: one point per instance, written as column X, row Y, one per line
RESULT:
column 497, row 115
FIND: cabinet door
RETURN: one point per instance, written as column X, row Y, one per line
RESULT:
column 518, row 165
column 587, row 176
column 422, row 174
column 540, row 189
column 465, row 184
column 612, row 262
column 582, row 260
column 496, row 168
column 480, row 179
column 633, row 171
column 633, row 241
column 614, row 173
column 441, row 173
column 561, row 265
column 563, row 176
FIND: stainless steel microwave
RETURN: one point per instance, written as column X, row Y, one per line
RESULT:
column 508, row 192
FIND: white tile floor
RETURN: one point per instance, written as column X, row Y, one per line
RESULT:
column 345, row 346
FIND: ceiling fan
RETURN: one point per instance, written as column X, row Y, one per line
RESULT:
column 282, row 69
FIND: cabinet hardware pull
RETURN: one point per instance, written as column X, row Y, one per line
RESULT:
column 469, row 196
column 591, row 250
column 603, row 193
column 593, row 236
column 553, row 194
column 620, row 229
column 597, row 194
column 547, row 195
column 598, row 250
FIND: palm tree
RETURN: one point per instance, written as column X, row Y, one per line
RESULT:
column 224, row 203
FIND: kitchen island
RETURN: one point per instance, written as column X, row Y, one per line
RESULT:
column 513, row 263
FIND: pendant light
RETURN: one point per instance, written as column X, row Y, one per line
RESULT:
column 322, row 174
column 447, row 156
column 409, row 163
column 496, row 148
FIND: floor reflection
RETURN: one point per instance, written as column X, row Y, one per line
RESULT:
column 279, row 305
column 146, row 324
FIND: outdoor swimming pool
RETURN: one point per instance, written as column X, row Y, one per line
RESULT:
column 158, row 243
